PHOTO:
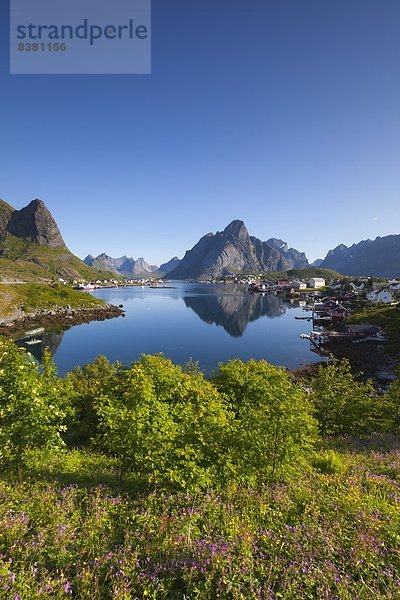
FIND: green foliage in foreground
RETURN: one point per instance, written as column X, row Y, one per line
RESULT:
column 272, row 422
column 31, row 414
column 172, row 429
column 318, row 535
column 187, row 488
column 177, row 430
column 343, row 404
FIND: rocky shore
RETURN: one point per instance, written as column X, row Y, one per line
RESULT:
column 63, row 316
column 368, row 361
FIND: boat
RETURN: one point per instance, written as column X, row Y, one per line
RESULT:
column 33, row 342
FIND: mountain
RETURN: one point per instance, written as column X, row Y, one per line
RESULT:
column 105, row 262
column 128, row 267
column 230, row 251
column 35, row 223
column 296, row 259
column 373, row 258
column 136, row 268
column 169, row 266
column 32, row 248
column 317, row 263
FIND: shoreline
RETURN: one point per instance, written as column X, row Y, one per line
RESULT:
column 64, row 316
column 367, row 361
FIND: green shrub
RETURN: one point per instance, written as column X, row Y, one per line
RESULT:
column 343, row 404
column 273, row 422
column 31, row 411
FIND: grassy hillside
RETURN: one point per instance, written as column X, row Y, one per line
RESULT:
column 21, row 260
column 29, row 298
column 385, row 317
column 307, row 273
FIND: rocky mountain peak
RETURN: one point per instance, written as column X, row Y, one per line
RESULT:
column 237, row 229
column 36, row 224
column 230, row 251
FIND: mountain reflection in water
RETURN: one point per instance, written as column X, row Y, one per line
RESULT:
column 234, row 312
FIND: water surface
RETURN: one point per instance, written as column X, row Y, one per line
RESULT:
column 205, row 323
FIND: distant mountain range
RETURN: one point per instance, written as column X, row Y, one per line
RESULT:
column 32, row 248
column 227, row 252
column 373, row 258
column 129, row 267
column 233, row 251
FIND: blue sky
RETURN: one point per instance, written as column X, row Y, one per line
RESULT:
column 282, row 113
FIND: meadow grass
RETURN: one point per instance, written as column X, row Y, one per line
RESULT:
column 31, row 297
column 67, row 530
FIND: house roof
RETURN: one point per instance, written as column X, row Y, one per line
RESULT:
column 341, row 308
column 364, row 328
column 379, row 292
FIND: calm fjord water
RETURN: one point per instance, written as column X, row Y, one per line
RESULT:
column 209, row 324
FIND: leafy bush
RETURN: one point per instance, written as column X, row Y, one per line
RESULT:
column 83, row 386
column 273, row 422
column 343, row 404
column 31, row 413
column 390, row 405
column 166, row 426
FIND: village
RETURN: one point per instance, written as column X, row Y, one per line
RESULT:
column 329, row 305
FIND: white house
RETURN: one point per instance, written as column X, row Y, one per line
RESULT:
column 380, row 296
column 316, row 282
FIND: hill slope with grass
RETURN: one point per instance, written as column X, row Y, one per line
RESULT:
column 307, row 273
column 31, row 297
column 32, row 248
